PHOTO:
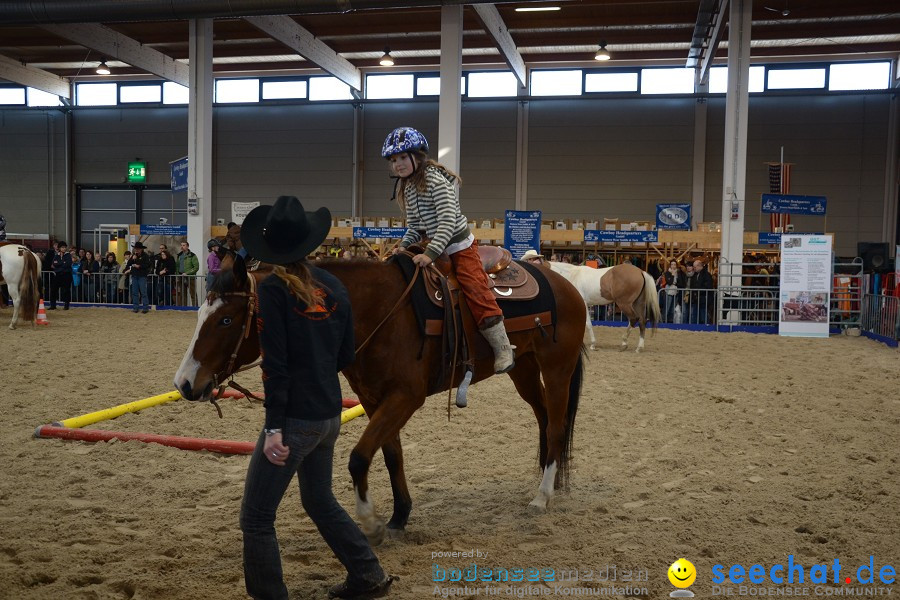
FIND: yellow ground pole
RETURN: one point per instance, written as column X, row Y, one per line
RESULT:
column 115, row 411
column 352, row 413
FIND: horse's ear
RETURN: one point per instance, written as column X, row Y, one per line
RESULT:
column 240, row 270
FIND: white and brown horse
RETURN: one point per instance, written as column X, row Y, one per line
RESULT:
column 20, row 271
column 632, row 290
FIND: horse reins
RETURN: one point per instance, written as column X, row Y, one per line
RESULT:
column 396, row 305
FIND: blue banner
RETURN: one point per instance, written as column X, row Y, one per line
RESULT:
column 794, row 204
column 673, row 216
column 179, row 174
column 769, row 238
column 378, row 232
column 522, row 231
column 597, row 235
column 163, row 229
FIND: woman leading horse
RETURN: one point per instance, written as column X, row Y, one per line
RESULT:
column 397, row 366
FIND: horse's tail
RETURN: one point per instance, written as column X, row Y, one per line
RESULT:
column 571, row 410
column 28, row 287
column 651, row 300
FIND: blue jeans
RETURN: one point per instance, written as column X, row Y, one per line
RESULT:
column 138, row 291
column 312, row 452
column 668, row 304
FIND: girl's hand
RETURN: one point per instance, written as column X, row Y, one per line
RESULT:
column 423, row 260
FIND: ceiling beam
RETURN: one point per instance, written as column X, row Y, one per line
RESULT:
column 704, row 46
column 13, row 70
column 495, row 27
column 112, row 44
column 288, row 32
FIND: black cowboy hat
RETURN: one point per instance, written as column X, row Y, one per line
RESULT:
column 284, row 233
column 139, row 245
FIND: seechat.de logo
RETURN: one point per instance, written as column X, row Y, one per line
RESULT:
column 794, row 572
column 682, row 574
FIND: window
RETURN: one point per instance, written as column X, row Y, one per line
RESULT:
column 140, row 93
column 174, row 93
column 556, row 83
column 859, row 76
column 667, row 81
column 237, row 90
column 328, row 88
column 431, row 86
column 796, row 79
column 12, row 95
column 492, row 84
column 611, row 82
column 280, row 90
column 41, row 98
column 380, row 87
column 718, row 80
column 96, row 94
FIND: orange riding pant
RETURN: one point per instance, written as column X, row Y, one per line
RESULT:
column 473, row 282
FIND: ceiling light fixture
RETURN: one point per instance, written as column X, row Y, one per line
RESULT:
column 536, row 8
column 602, row 53
column 386, row 60
column 102, row 69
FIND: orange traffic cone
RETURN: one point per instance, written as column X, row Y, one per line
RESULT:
column 42, row 315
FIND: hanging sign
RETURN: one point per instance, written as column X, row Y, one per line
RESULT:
column 794, row 204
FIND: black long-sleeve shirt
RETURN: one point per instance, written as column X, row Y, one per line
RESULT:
column 303, row 349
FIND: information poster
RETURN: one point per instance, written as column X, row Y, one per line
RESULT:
column 805, row 294
column 240, row 210
column 522, row 231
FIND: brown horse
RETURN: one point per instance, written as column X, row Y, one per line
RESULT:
column 20, row 270
column 396, row 369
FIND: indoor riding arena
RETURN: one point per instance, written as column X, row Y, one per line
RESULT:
column 744, row 157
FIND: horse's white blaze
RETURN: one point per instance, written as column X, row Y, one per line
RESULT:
column 545, row 491
column 187, row 371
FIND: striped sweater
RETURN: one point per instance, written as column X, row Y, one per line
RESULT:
column 434, row 211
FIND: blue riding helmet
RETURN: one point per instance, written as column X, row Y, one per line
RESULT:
column 403, row 139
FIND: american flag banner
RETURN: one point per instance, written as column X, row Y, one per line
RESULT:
column 779, row 183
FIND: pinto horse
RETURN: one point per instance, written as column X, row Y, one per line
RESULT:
column 630, row 288
column 395, row 369
column 20, row 271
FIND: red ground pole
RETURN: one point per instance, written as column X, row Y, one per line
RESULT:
column 185, row 443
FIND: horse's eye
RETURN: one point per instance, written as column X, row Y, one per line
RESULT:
column 226, row 321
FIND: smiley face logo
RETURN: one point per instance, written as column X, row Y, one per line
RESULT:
column 682, row 573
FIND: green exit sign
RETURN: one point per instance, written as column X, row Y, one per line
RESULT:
column 137, row 172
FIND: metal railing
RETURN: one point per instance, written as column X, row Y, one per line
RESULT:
column 748, row 295
column 116, row 289
column 881, row 316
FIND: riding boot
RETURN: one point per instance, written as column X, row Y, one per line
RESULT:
column 504, row 357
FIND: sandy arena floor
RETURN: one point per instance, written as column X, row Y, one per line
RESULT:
column 722, row 448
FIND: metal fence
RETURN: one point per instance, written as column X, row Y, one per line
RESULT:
column 881, row 317
column 115, row 289
column 748, row 296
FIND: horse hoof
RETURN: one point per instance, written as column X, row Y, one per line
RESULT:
column 638, row 351
column 593, row 347
column 536, row 508
column 623, row 348
column 376, row 534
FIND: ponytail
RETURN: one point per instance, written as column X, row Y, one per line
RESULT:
column 299, row 281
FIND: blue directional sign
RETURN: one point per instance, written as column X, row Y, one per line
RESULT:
column 599, row 235
column 378, row 232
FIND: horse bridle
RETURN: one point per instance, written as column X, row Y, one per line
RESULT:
column 227, row 372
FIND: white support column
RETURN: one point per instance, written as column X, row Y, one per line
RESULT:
column 698, row 192
column 200, row 140
column 889, row 221
column 450, row 107
column 734, row 177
